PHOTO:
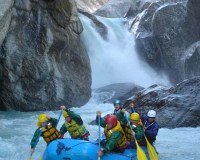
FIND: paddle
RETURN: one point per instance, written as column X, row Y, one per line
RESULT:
column 140, row 153
column 99, row 135
column 151, row 150
column 30, row 157
column 31, row 154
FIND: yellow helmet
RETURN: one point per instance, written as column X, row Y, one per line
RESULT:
column 65, row 114
column 41, row 119
column 135, row 117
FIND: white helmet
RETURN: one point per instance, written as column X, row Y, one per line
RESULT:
column 151, row 114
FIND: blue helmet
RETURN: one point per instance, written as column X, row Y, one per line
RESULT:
column 117, row 101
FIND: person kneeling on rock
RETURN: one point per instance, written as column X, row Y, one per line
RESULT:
column 46, row 129
column 74, row 125
column 151, row 127
column 115, row 138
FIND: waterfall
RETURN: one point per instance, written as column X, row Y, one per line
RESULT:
column 115, row 60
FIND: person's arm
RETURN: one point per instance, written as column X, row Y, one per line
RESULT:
column 53, row 121
column 144, row 119
column 153, row 131
column 121, row 117
column 102, row 122
column 139, row 132
column 35, row 138
column 110, row 144
column 63, row 129
column 75, row 117
column 133, row 110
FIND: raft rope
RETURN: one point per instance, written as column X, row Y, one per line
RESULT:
column 65, row 148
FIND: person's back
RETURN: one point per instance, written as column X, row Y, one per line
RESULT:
column 74, row 125
column 150, row 125
column 46, row 129
column 137, row 131
column 115, row 137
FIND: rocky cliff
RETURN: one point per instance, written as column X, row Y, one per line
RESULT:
column 43, row 63
column 167, row 37
column 176, row 107
column 90, row 5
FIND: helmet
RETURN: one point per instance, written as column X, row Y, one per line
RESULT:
column 65, row 114
column 111, row 119
column 41, row 119
column 135, row 117
column 117, row 101
column 151, row 114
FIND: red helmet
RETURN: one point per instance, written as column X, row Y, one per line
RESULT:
column 111, row 119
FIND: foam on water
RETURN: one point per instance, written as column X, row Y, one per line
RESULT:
column 17, row 128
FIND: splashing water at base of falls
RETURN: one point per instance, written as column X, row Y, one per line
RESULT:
column 114, row 60
column 17, row 128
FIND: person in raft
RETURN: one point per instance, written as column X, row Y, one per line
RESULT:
column 46, row 129
column 74, row 125
column 115, row 138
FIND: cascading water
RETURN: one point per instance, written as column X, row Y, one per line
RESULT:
column 114, row 60
column 17, row 128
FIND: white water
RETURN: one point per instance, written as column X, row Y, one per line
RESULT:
column 17, row 128
column 115, row 60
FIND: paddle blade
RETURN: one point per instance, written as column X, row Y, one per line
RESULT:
column 140, row 153
column 40, row 158
column 151, row 151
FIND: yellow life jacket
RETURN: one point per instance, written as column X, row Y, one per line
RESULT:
column 128, row 133
column 122, row 141
column 50, row 133
column 75, row 130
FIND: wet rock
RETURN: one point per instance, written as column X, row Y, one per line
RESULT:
column 99, row 26
column 165, row 31
column 43, row 62
column 120, row 91
column 176, row 107
column 90, row 5
column 118, row 8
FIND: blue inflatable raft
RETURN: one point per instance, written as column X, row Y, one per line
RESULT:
column 71, row 149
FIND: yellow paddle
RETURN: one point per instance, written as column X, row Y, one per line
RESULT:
column 151, row 151
column 30, row 157
column 140, row 153
column 99, row 135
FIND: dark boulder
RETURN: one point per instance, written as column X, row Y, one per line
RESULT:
column 120, row 91
column 176, row 107
column 43, row 62
column 119, row 8
column 165, row 33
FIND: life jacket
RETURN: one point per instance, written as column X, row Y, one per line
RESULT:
column 122, row 142
column 75, row 130
column 50, row 133
column 128, row 133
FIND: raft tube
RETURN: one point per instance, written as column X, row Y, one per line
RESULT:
column 72, row 149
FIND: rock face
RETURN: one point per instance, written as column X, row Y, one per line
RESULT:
column 90, row 5
column 120, row 91
column 99, row 26
column 167, row 36
column 43, row 63
column 118, row 8
column 176, row 107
